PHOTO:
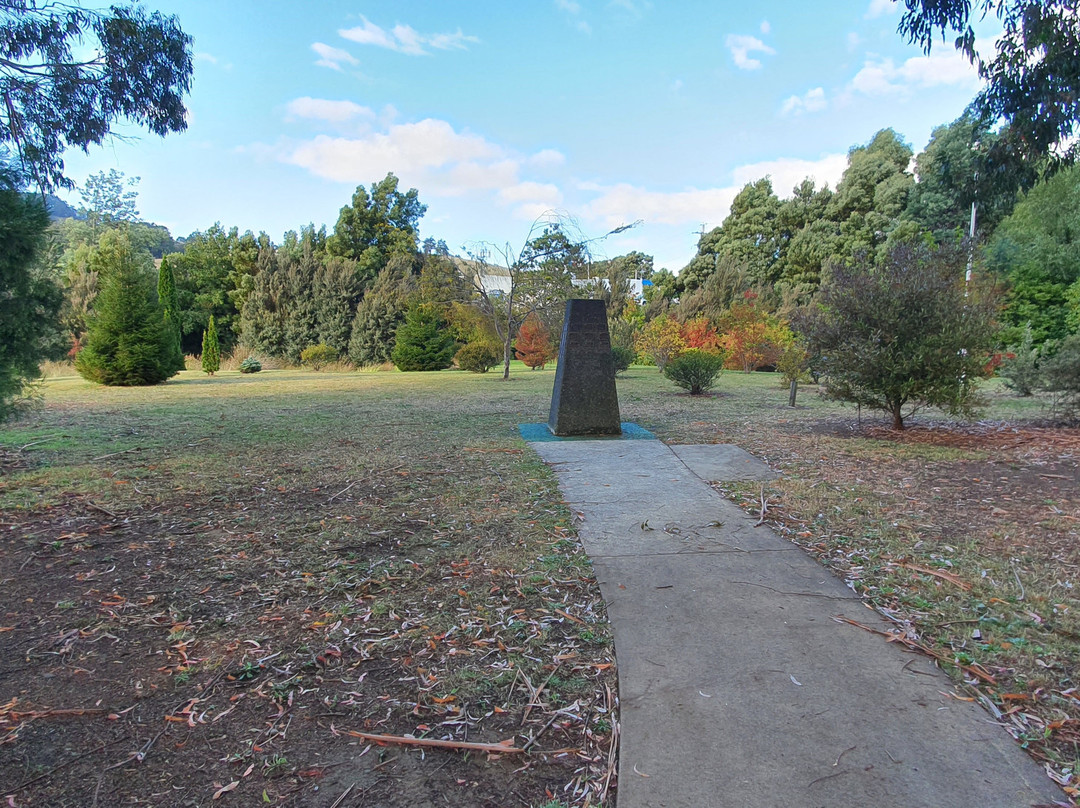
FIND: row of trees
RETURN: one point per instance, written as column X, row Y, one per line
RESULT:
column 773, row 257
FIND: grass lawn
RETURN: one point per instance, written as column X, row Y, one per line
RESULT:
column 212, row 585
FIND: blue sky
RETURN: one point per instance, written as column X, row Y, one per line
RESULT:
column 610, row 110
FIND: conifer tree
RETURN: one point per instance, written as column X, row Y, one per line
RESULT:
column 423, row 343
column 379, row 314
column 128, row 341
column 211, row 354
column 170, row 304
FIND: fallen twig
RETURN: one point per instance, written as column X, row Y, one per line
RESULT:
column 945, row 576
column 764, row 507
column 64, row 765
column 917, row 646
column 501, row 748
column 105, row 511
column 42, row 440
column 114, row 454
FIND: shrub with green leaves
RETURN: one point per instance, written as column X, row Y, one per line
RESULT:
column 478, row 357
column 250, row 365
column 695, row 370
column 622, row 358
column 423, row 342
column 318, row 356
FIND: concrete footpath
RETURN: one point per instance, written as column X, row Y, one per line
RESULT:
column 737, row 686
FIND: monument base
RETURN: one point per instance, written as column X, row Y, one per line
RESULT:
column 584, row 401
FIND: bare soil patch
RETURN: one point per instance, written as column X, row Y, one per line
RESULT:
column 213, row 622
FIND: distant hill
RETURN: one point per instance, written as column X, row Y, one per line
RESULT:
column 59, row 209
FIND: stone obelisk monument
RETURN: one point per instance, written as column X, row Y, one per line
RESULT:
column 584, row 401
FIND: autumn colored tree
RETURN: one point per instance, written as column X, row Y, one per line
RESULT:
column 699, row 333
column 533, row 345
column 751, row 337
column 661, row 340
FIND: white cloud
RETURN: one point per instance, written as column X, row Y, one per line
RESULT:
column 531, row 199
column 569, row 6
column 431, row 155
column 765, row 27
column 623, row 202
column 742, row 45
column 853, row 40
column 880, row 8
column 787, row 172
column 547, row 158
column 324, row 110
column 405, row 39
column 812, row 101
column 332, row 57
column 884, row 77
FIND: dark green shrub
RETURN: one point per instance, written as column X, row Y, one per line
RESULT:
column 479, row 357
column 695, row 370
column 423, row 343
column 30, row 299
column 1019, row 370
column 250, row 365
column 211, row 350
column 622, row 357
column 1061, row 377
column 129, row 341
column 318, row 356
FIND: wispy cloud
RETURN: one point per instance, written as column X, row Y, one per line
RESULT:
column 812, row 101
column 332, row 57
column 406, row 39
column 321, row 109
column 572, row 9
column 880, row 8
column 209, row 58
column 742, row 45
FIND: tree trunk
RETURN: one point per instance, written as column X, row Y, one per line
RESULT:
column 794, row 391
column 506, row 356
column 897, row 419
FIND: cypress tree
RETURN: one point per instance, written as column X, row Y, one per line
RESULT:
column 128, row 341
column 211, row 354
column 170, row 304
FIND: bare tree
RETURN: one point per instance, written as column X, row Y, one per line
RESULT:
column 512, row 284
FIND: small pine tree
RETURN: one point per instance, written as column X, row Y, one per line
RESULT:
column 423, row 343
column 128, row 341
column 170, row 304
column 533, row 345
column 211, row 354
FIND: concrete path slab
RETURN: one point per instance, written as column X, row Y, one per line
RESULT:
column 737, row 686
column 722, row 462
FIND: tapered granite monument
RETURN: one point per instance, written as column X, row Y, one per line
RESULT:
column 584, row 401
